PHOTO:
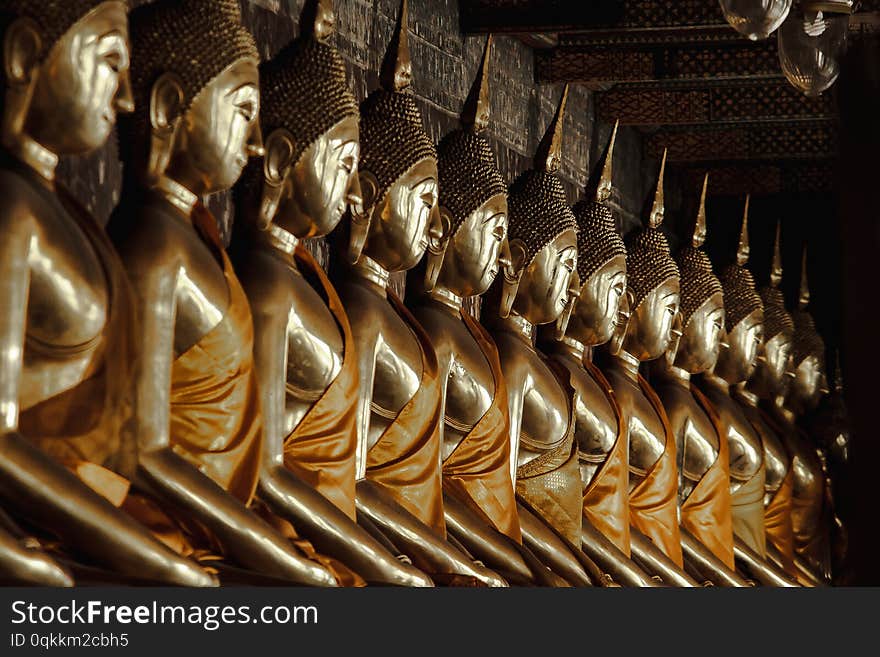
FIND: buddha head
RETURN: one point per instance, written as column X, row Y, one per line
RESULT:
column 702, row 302
column 66, row 64
column 653, row 285
column 542, row 235
column 473, row 199
column 772, row 375
column 399, row 219
column 196, row 85
column 744, row 314
column 309, row 119
column 808, row 352
column 601, row 264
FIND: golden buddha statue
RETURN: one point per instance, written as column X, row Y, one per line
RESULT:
column 534, row 290
column 398, row 449
column 303, row 351
column 785, row 387
column 701, row 445
column 596, row 294
column 480, row 504
column 197, row 418
column 767, row 380
column 67, row 324
column 653, row 296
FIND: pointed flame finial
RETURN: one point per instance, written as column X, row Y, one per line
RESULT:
column 603, row 192
column 804, row 296
column 548, row 157
column 776, row 265
column 396, row 71
column 320, row 16
column 699, row 237
column 475, row 113
column 658, row 211
column 742, row 250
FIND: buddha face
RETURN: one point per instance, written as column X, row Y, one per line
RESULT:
column 471, row 261
column 317, row 190
column 82, row 83
column 595, row 313
column 649, row 334
column 401, row 220
column 543, row 289
column 701, row 338
column 220, row 132
column 806, row 384
column 771, row 376
column 737, row 362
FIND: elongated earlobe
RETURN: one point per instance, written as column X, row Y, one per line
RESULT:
column 166, row 112
column 438, row 239
column 276, row 167
column 512, row 276
column 360, row 215
column 22, row 45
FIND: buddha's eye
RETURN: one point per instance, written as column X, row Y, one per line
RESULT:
column 619, row 289
column 348, row 163
column 500, row 232
column 114, row 60
column 248, row 109
column 428, row 199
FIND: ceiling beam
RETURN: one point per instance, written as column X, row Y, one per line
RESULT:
column 766, row 141
column 710, row 102
column 602, row 66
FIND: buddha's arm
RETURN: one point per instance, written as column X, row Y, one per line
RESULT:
column 328, row 528
column 39, row 487
column 243, row 536
column 428, row 551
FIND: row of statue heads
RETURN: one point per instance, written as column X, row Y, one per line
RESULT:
column 280, row 426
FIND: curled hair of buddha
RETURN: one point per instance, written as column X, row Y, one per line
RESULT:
column 649, row 263
column 740, row 297
column 777, row 319
column 539, row 211
column 393, row 139
column 196, row 40
column 698, row 280
column 304, row 88
column 54, row 17
column 468, row 173
column 597, row 242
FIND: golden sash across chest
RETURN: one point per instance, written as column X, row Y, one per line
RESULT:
column 477, row 472
column 216, row 420
column 406, row 458
column 605, row 499
column 321, row 449
column 706, row 513
column 551, row 483
column 653, row 505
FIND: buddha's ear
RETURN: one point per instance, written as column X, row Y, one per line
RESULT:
column 22, row 45
column 677, row 331
column 166, row 111
column 361, row 213
column 572, row 294
column 439, row 232
column 515, row 254
column 278, row 159
column 624, row 312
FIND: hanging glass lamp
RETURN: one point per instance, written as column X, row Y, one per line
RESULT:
column 755, row 19
column 810, row 47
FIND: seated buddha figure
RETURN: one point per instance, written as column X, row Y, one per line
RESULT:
column 480, row 506
column 597, row 296
column 303, row 352
column 794, row 388
column 534, row 290
column 768, row 380
column 653, row 292
column 703, row 462
column 398, row 449
column 66, row 327
column 197, row 414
